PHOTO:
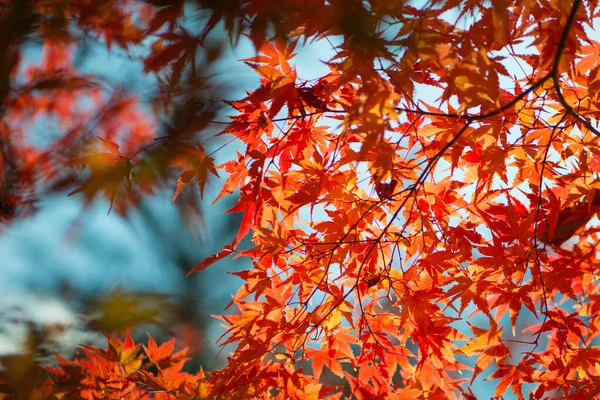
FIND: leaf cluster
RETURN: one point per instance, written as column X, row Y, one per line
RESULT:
column 431, row 194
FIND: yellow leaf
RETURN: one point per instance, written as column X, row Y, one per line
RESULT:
column 333, row 320
column 483, row 341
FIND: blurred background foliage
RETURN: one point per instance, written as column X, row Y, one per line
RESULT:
column 69, row 271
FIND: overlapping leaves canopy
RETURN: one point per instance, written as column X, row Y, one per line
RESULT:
column 420, row 217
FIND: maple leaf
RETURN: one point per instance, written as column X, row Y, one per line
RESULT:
column 110, row 172
column 488, row 346
column 181, row 48
column 163, row 357
column 196, row 164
